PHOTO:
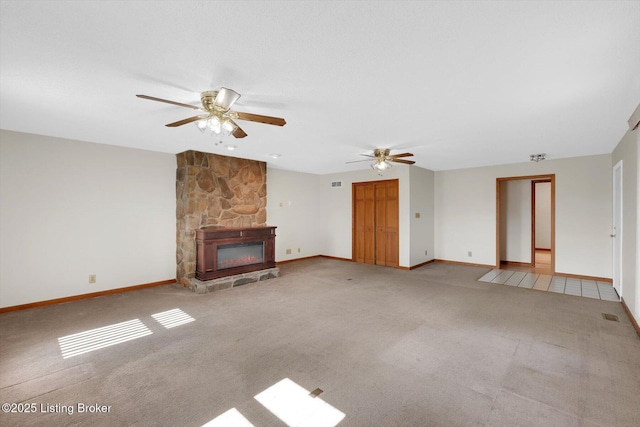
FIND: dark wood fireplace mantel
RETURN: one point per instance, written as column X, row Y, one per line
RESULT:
column 222, row 251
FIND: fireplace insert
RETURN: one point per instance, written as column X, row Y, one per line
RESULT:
column 222, row 251
column 240, row 254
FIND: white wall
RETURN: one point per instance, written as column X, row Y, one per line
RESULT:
column 515, row 221
column 465, row 212
column 465, row 215
column 70, row 209
column 627, row 151
column 293, row 205
column 543, row 215
column 421, row 202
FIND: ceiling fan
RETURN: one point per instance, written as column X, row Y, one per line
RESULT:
column 383, row 159
column 217, row 115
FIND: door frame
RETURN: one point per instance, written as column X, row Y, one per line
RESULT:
column 617, row 220
column 549, row 177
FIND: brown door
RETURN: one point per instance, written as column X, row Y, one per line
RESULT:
column 375, row 223
column 364, row 215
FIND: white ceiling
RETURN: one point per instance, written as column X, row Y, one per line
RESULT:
column 458, row 83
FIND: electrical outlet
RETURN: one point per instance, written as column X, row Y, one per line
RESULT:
column 298, row 250
column 426, row 252
column 417, row 214
column 469, row 254
column 92, row 278
column 288, row 251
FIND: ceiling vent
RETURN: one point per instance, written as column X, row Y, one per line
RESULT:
column 634, row 121
column 336, row 184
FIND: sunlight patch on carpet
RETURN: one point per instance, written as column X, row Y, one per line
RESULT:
column 231, row 418
column 94, row 339
column 172, row 318
column 295, row 407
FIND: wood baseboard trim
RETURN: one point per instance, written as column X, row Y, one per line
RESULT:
column 516, row 263
column 349, row 260
column 631, row 318
column 85, row 296
column 336, row 258
column 418, row 265
column 577, row 276
column 469, row 264
column 287, row 261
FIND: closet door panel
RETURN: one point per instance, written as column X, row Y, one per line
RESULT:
column 363, row 224
column 376, row 223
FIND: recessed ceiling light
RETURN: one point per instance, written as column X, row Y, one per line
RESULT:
column 231, row 147
column 274, row 155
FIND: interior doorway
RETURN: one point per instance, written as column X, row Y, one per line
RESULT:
column 375, row 235
column 541, row 224
column 525, row 223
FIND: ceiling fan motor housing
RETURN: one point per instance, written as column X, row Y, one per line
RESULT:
column 208, row 98
column 381, row 152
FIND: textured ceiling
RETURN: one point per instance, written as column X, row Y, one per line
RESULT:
column 459, row 84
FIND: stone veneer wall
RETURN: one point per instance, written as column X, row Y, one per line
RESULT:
column 215, row 190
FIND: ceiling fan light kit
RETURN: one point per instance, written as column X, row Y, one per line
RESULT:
column 217, row 103
column 218, row 117
column 380, row 165
column 383, row 159
column 218, row 128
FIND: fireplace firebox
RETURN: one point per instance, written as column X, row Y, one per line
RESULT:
column 222, row 251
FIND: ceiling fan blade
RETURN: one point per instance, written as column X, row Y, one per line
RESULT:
column 238, row 133
column 368, row 155
column 225, row 99
column 356, row 161
column 407, row 162
column 179, row 104
column 258, row 118
column 185, row 121
column 394, row 156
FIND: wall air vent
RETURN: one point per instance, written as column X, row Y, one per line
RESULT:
column 336, row 184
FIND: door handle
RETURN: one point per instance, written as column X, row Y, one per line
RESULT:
column 612, row 235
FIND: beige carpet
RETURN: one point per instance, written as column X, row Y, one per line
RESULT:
column 428, row 347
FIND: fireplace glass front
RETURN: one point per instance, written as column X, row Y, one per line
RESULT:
column 239, row 254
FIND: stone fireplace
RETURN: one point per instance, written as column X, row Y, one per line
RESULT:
column 214, row 190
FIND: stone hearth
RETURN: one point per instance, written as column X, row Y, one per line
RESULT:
column 203, row 287
column 215, row 190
